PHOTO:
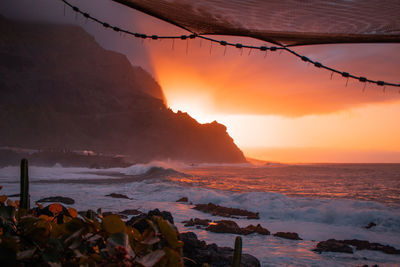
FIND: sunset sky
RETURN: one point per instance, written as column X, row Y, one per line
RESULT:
column 275, row 107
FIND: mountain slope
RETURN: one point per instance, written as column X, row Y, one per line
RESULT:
column 60, row 89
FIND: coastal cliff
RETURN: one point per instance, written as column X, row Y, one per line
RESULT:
column 60, row 89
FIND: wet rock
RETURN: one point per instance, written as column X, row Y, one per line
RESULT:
column 116, row 195
column 363, row 244
column 333, row 245
column 255, row 229
column 197, row 254
column 164, row 214
column 288, row 235
column 59, row 199
column 130, row 212
column 140, row 221
column 231, row 227
column 183, row 199
column 224, row 226
column 226, row 212
column 196, row 221
column 370, row 225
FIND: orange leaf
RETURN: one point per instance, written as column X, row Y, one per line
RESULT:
column 11, row 203
column 1, row 187
column 3, row 198
column 55, row 208
column 47, row 218
column 40, row 206
column 72, row 212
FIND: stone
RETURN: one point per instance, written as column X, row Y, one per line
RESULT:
column 231, row 227
column 250, row 229
column 226, row 212
column 164, row 214
column 288, row 235
column 59, row 199
column 363, row 244
column 224, row 226
column 116, row 195
column 130, row 212
column 370, row 225
column 183, row 199
column 197, row 221
column 197, row 254
column 333, row 245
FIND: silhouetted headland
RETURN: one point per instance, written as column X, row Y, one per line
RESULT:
column 60, row 89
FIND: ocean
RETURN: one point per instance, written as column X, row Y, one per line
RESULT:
column 318, row 201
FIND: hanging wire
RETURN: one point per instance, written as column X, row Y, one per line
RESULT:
column 237, row 45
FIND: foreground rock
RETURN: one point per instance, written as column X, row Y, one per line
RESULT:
column 198, row 253
column 370, row 225
column 363, row 244
column 183, row 199
column 230, row 227
column 130, row 212
column 115, row 195
column 217, row 210
column 196, row 222
column 156, row 212
column 288, row 235
column 60, row 199
column 334, row 245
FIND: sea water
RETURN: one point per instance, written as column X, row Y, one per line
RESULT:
column 318, row 201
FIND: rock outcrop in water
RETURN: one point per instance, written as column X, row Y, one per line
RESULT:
column 60, row 89
column 333, row 245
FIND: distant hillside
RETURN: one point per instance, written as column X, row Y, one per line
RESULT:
column 60, row 89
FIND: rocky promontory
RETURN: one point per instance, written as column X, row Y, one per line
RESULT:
column 59, row 89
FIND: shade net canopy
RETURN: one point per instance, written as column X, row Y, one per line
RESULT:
column 284, row 22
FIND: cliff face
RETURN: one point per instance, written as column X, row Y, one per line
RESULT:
column 60, row 89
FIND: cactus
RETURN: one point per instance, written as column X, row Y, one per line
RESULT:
column 237, row 255
column 24, row 192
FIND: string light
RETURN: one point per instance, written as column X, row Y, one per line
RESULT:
column 237, row 45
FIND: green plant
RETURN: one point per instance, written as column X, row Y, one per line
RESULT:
column 58, row 236
column 24, row 183
column 237, row 255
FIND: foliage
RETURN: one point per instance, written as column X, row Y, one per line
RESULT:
column 57, row 236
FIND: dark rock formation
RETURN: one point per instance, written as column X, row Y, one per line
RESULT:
column 250, row 229
column 370, row 225
column 226, row 212
column 363, row 244
column 227, row 226
column 333, row 245
column 65, row 200
column 288, row 235
column 183, row 199
column 196, row 221
column 140, row 223
column 164, row 214
column 343, row 245
column 224, row 226
column 199, row 253
column 60, row 89
column 130, row 212
column 116, row 195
